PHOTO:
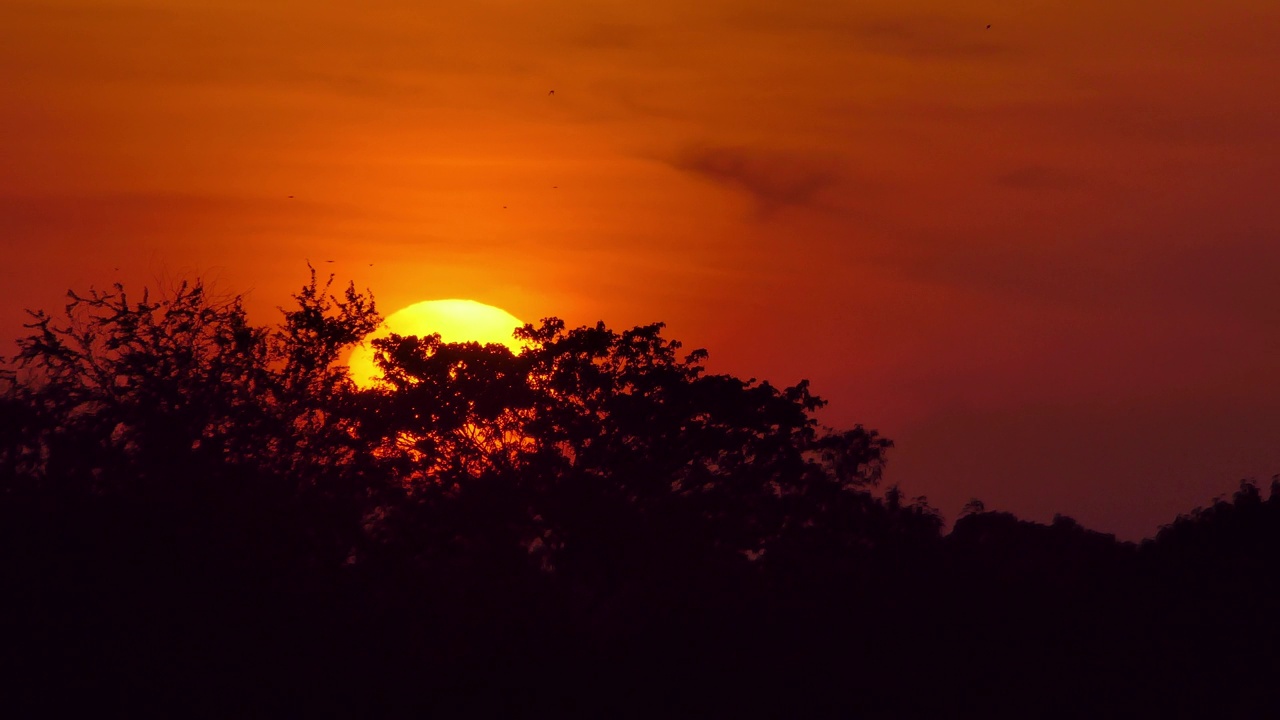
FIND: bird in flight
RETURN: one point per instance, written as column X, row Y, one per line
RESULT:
column 328, row 261
column 988, row 27
column 551, row 92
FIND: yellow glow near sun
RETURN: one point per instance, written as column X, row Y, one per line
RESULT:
column 454, row 320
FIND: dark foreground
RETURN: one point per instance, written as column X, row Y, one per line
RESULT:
column 110, row 610
column 202, row 518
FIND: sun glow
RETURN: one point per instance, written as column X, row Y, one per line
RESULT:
column 454, row 320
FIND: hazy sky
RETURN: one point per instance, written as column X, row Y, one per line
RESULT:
column 1043, row 257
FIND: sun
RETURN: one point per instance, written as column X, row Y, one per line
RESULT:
column 455, row 321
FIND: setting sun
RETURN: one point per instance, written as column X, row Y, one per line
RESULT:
column 858, row 337
column 454, row 320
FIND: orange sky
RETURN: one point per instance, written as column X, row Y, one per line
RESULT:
column 1043, row 257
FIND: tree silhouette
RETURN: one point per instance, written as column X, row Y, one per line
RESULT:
column 199, row 515
column 143, row 385
column 597, row 430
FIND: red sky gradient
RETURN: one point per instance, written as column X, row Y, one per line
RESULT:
column 1043, row 257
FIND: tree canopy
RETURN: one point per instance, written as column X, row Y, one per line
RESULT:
column 201, row 512
column 583, row 433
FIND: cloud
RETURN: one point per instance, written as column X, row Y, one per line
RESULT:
column 952, row 40
column 886, row 30
column 610, row 36
column 1037, row 177
column 1116, row 114
column 774, row 179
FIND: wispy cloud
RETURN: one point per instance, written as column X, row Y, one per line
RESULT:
column 1038, row 177
column 920, row 38
column 773, row 179
column 885, row 30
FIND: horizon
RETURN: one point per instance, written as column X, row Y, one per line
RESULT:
column 449, row 318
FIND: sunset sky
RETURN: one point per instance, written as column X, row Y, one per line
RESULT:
column 1043, row 257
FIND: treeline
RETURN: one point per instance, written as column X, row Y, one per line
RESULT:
column 200, row 517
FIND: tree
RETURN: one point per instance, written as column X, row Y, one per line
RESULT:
column 186, row 497
column 168, row 400
column 614, row 444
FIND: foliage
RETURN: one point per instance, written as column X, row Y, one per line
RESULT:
column 121, row 390
column 191, row 503
column 590, row 418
